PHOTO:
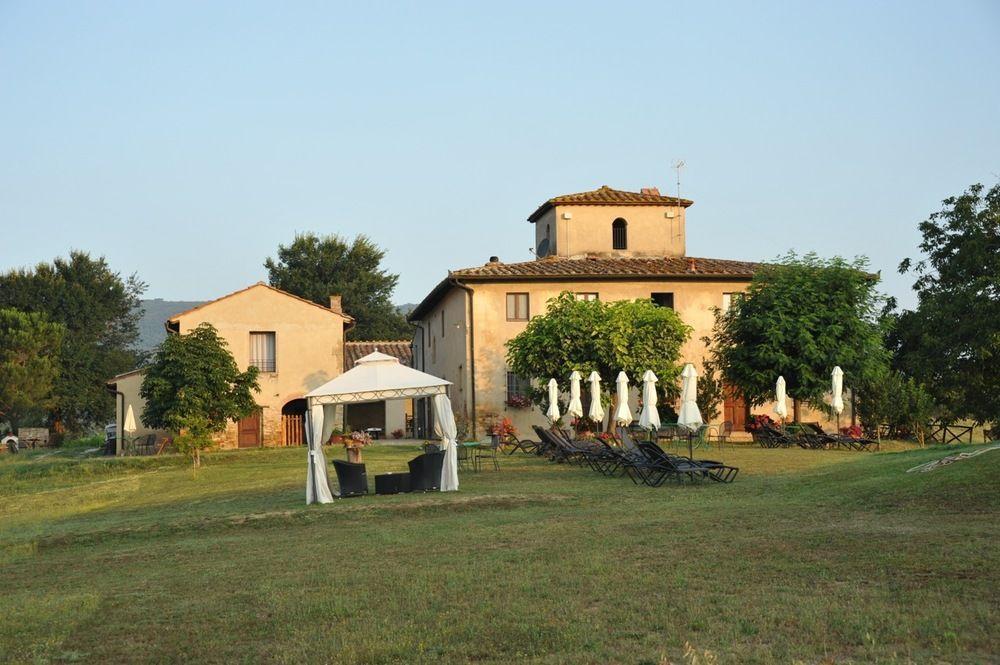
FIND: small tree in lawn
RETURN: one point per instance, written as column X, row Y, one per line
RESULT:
column 194, row 388
column 800, row 317
column 590, row 335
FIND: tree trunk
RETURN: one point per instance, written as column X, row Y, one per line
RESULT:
column 197, row 458
column 796, row 410
column 354, row 455
column 611, row 413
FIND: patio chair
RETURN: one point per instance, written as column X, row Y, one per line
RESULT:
column 723, row 432
column 425, row 472
column 488, row 454
column 352, row 478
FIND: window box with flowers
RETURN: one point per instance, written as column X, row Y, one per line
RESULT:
column 518, row 402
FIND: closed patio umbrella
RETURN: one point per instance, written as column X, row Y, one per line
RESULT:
column 623, row 414
column 690, row 415
column 553, row 413
column 596, row 412
column 837, row 392
column 780, row 399
column 128, row 427
column 649, row 417
column 575, row 407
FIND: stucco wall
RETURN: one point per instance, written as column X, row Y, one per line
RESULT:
column 446, row 355
column 309, row 347
column 129, row 385
column 650, row 231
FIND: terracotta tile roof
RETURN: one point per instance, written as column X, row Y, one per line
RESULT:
column 604, row 195
column 174, row 318
column 591, row 269
column 396, row 348
column 684, row 266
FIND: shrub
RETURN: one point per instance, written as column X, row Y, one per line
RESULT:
column 397, row 433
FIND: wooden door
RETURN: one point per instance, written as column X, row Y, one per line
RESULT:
column 734, row 409
column 248, row 431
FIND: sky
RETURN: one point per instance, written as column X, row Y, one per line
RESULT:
column 184, row 141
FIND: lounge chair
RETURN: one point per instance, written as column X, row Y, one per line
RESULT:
column 663, row 465
column 524, row 445
column 839, row 440
column 425, row 472
column 352, row 478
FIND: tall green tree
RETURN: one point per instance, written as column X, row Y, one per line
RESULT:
column 315, row 267
column 590, row 335
column 99, row 310
column 951, row 342
column 193, row 387
column 799, row 318
column 29, row 364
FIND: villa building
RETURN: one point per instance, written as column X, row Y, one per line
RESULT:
column 296, row 345
column 604, row 244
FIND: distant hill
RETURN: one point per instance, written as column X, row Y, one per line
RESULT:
column 157, row 311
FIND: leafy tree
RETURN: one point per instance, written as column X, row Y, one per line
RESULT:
column 194, row 387
column 951, row 342
column 99, row 311
column 29, row 363
column 711, row 392
column 898, row 401
column 799, row 318
column 628, row 335
column 314, row 267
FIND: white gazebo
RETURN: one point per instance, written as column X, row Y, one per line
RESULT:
column 374, row 378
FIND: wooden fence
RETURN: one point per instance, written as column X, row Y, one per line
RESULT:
column 293, row 431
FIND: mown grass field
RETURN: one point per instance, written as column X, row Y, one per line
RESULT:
column 810, row 556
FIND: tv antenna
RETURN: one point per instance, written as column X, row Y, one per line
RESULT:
column 677, row 233
column 678, row 165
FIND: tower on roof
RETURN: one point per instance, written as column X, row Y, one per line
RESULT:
column 610, row 222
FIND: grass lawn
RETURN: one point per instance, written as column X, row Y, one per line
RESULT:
column 809, row 556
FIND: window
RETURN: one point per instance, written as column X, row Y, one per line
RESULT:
column 262, row 351
column 434, row 350
column 442, row 323
column 586, row 296
column 663, row 299
column 619, row 234
column 517, row 388
column 517, row 306
column 728, row 299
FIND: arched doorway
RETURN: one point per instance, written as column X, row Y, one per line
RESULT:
column 293, row 419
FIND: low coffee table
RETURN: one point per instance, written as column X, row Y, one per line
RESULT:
column 392, row 483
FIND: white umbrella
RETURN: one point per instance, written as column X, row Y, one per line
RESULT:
column 649, row 417
column 575, row 407
column 780, row 398
column 623, row 414
column 553, row 413
column 596, row 408
column 690, row 415
column 837, row 390
column 129, row 425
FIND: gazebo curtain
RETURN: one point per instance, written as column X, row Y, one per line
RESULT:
column 317, row 483
column 444, row 424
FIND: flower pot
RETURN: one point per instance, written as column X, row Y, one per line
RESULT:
column 354, row 455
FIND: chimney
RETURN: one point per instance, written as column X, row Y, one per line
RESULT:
column 650, row 191
column 336, row 305
column 494, row 259
column 692, row 265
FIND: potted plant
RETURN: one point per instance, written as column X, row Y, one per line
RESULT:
column 336, row 437
column 518, row 402
column 502, row 431
column 354, row 442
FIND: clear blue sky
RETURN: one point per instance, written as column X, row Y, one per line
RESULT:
column 184, row 141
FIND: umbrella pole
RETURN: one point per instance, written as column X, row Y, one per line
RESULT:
column 690, row 446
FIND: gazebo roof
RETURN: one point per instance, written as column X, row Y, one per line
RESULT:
column 376, row 377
